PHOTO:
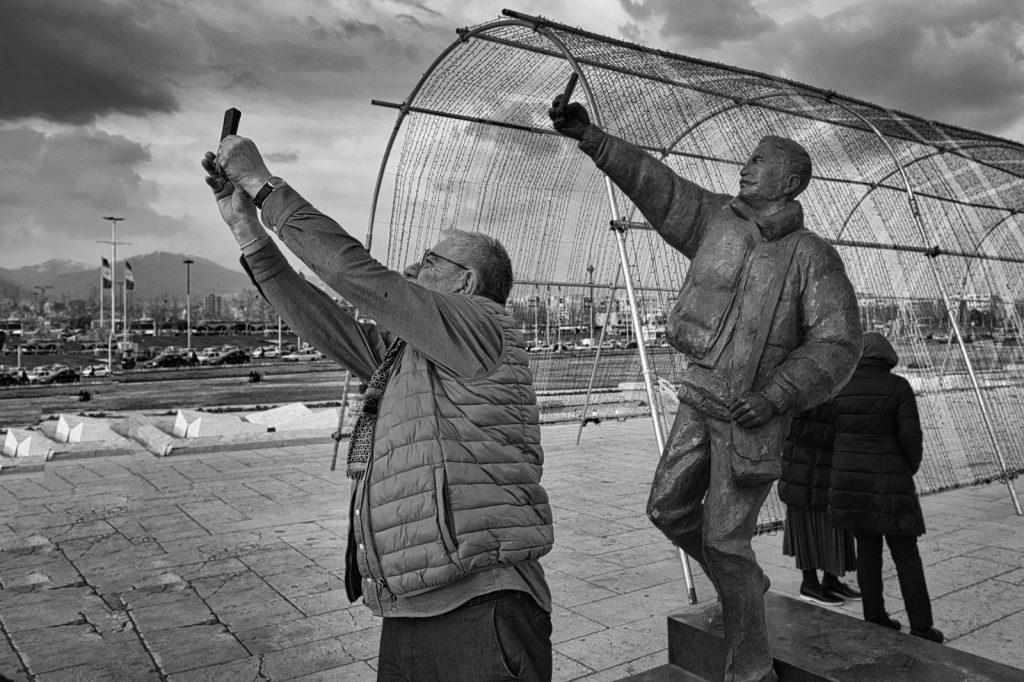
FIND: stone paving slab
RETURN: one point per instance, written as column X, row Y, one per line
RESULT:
column 229, row 566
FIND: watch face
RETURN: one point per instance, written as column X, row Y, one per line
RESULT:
column 275, row 182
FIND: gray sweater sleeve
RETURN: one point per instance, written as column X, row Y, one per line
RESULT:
column 452, row 330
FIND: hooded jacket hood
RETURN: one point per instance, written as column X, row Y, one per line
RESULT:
column 877, row 347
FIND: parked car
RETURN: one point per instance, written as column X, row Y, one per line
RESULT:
column 207, row 353
column 65, row 375
column 304, row 355
column 168, row 360
column 96, row 371
column 12, row 377
column 266, row 352
column 37, row 374
column 231, row 357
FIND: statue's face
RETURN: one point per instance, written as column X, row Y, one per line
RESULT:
column 765, row 177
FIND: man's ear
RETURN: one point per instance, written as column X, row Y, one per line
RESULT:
column 471, row 282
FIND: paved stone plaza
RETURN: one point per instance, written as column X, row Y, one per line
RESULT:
column 228, row 566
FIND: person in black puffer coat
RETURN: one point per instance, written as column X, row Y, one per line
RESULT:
column 807, row 534
column 877, row 452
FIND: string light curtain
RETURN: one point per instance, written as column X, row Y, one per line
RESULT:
column 473, row 149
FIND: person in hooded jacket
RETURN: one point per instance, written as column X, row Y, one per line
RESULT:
column 807, row 535
column 877, row 452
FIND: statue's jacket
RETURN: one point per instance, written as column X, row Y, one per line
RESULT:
column 451, row 505
column 813, row 341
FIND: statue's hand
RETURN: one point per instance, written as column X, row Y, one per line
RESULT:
column 752, row 409
column 572, row 121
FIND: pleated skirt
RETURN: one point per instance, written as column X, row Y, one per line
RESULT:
column 815, row 544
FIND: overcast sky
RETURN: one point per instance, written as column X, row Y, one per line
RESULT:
column 108, row 105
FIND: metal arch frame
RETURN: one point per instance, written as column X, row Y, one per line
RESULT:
column 874, row 186
column 879, row 184
column 648, row 376
column 915, row 211
column 800, row 88
column 900, row 168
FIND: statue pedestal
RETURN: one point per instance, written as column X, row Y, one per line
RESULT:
column 813, row 644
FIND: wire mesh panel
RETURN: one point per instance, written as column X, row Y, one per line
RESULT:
column 925, row 216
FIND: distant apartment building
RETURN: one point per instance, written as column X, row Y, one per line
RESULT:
column 213, row 307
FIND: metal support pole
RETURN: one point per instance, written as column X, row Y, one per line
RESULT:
column 188, row 305
column 124, row 304
column 620, row 242
column 597, row 358
column 114, row 220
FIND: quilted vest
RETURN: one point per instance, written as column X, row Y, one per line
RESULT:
column 453, row 485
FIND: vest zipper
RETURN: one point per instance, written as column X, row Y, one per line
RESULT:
column 381, row 582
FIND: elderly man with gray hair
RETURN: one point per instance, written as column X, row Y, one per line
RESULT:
column 447, row 519
column 769, row 324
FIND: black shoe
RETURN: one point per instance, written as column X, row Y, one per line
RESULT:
column 841, row 590
column 930, row 634
column 888, row 622
column 816, row 595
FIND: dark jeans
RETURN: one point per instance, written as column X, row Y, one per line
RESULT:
column 909, row 571
column 715, row 530
column 500, row 636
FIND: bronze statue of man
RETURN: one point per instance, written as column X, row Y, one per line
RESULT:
column 768, row 321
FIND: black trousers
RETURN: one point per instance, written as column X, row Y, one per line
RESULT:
column 909, row 570
column 500, row 636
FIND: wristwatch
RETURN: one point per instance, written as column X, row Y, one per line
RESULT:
column 273, row 183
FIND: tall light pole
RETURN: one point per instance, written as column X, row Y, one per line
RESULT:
column 188, row 303
column 113, row 287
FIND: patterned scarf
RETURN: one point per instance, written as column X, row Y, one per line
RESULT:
column 360, row 448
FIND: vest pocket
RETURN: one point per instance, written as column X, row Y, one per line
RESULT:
column 444, row 515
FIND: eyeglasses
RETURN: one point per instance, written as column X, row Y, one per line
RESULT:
column 428, row 254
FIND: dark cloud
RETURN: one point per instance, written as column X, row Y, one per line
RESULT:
column 700, row 23
column 416, row 4
column 58, row 187
column 410, row 20
column 352, row 28
column 956, row 61
column 71, row 61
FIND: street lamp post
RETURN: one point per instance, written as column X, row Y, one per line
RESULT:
column 188, row 303
column 113, row 287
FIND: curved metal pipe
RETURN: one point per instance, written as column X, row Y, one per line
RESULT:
column 463, row 38
column 874, row 186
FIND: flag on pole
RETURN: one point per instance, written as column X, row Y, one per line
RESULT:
column 107, row 280
column 129, row 276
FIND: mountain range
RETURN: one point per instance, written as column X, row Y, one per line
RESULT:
column 157, row 275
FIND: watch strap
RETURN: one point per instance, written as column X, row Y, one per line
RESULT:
column 265, row 191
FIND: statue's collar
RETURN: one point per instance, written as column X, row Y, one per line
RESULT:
column 772, row 225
